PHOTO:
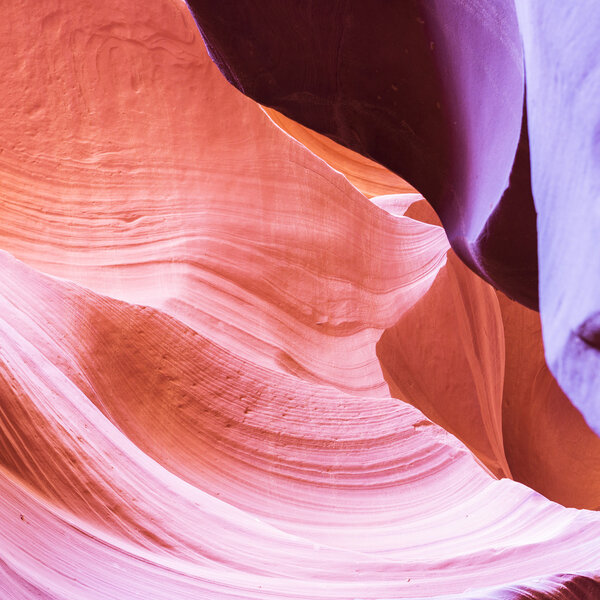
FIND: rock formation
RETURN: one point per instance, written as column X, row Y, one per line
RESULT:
column 239, row 360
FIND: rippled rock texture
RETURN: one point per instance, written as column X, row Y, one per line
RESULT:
column 489, row 108
column 239, row 360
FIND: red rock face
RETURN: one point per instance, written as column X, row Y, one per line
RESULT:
column 213, row 325
column 433, row 90
column 488, row 108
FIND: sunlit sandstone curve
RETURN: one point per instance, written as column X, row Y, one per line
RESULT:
column 343, row 495
column 432, row 89
column 193, row 397
column 488, row 108
column 121, row 174
column 506, row 406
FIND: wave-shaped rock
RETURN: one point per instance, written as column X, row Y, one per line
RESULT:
column 192, row 404
column 130, row 439
column 432, row 90
column 488, row 108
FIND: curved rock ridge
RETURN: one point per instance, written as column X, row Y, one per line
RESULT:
column 492, row 387
column 137, row 171
column 133, row 445
column 193, row 390
column 456, row 330
column 488, row 108
column 369, row 177
column 433, row 90
column 555, row 588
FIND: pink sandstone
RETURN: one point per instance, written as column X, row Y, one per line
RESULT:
column 213, row 325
